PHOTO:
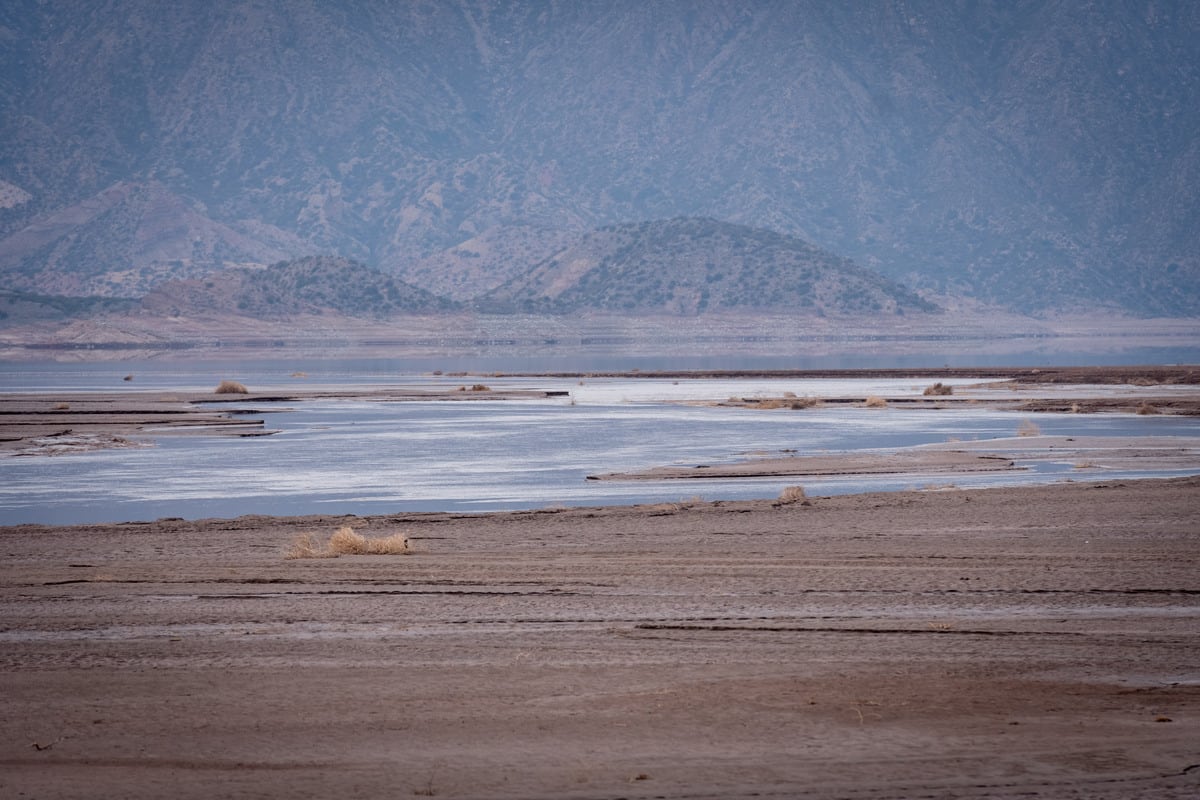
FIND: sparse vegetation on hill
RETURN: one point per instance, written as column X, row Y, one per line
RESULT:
column 690, row 266
column 19, row 307
column 315, row 284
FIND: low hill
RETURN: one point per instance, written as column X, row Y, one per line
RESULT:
column 127, row 239
column 315, row 284
column 20, row 308
column 689, row 266
column 482, row 263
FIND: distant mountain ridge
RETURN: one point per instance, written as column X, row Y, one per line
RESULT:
column 1038, row 154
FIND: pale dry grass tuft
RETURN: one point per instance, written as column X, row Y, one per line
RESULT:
column 1028, row 428
column 792, row 494
column 345, row 541
column 306, row 546
column 875, row 401
column 1146, row 408
column 938, row 389
column 231, row 387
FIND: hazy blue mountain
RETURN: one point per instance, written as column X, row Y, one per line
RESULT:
column 1040, row 154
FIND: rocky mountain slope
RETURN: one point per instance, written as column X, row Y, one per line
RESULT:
column 1035, row 153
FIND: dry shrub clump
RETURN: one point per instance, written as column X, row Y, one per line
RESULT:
column 231, row 387
column 875, row 401
column 345, row 541
column 792, row 494
column 938, row 389
column 1028, row 428
column 1146, row 408
column 306, row 546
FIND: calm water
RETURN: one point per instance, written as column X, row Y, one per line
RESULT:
column 357, row 457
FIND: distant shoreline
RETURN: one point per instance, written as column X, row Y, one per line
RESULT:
column 1146, row 375
column 961, row 335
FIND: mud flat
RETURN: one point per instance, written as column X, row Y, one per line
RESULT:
column 1085, row 453
column 51, row 424
column 995, row 643
column 42, row 424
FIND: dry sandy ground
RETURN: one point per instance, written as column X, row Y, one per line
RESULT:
column 1035, row 642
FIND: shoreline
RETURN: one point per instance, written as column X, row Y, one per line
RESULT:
column 37, row 423
column 989, row 643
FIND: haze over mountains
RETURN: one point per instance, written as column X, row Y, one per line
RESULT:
column 1040, row 156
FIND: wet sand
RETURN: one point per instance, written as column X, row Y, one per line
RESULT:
column 996, row 643
column 54, row 424
column 45, row 424
column 1084, row 453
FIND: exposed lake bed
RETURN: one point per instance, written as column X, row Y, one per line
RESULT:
column 675, row 636
column 992, row 643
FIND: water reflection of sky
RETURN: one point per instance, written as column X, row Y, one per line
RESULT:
column 391, row 457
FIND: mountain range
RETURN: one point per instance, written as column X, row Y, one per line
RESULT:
column 1038, row 155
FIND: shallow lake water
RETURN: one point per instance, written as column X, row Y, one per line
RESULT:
column 367, row 457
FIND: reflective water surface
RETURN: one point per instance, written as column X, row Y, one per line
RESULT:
column 363, row 457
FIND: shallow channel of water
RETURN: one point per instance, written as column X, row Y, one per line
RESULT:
column 361, row 457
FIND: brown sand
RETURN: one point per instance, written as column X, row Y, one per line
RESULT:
column 995, row 643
